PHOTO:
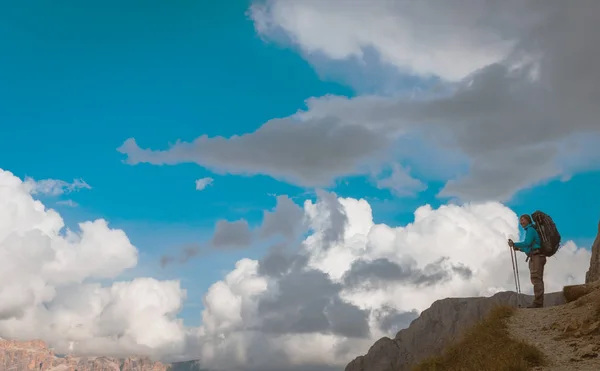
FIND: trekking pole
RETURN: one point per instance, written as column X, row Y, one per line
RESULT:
column 518, row 278
column 512, row 259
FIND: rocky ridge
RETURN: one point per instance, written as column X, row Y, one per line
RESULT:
column 35, row 355
column 436, row 328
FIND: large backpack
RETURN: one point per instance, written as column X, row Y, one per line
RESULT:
column 549, row 235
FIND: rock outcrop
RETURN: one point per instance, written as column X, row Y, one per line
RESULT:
column 574, row 292
column 35, row 355
column 593, row 274
column 435, row 328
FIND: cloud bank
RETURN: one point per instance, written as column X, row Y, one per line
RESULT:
column 49, row 284
column 315, row 305
column 329, row 299
column 516, row 105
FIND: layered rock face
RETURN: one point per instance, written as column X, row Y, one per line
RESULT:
column 435, row 328
column 593, row 274
column 35, row 355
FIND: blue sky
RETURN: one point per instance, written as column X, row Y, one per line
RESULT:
column 79, row 78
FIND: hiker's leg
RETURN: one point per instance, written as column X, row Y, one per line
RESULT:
column 536, row 264
column 531, row 271
column 531, row 276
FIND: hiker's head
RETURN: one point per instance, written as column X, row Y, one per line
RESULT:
column 525, row 220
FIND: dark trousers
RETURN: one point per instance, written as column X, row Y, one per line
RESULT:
column 536, row 271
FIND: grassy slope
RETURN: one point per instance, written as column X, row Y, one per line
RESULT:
column 486, row 346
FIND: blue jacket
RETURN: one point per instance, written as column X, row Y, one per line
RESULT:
column 532, row 240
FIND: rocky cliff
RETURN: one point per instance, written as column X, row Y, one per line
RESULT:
column 593, row 274
column 35, row 355
column 435, row 328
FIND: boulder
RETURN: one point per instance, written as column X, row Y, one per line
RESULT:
column 574, row 292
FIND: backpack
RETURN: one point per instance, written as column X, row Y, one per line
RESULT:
column 549, row 235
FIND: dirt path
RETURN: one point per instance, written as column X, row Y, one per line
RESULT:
column 569, row 335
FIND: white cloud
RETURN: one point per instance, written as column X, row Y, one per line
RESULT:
column 446, row 39
column 471, row 238
column 352, row 282
column 520, row 109
column 203, row 183
column 69, row 203
column 54, row 187
column 400, row 182
column 48, row 289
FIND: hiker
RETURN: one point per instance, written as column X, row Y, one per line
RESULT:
column 531, row 247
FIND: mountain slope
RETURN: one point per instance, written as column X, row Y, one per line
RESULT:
column 445, row 321
column 487, row 346
column 565, row 337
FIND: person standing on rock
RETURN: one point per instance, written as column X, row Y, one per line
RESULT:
column 531, row 247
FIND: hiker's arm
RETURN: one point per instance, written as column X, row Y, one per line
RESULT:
column 525, row 246
column 528, row 240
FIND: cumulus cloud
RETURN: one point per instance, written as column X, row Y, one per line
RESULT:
column 201, row 184
column 49, row 286
column 307, row 301
column 517, row 103
column 232, row 234
column 383, row 271
column 349, row 282
column 437, row 38
column 391, row 320
column 400, row 182
column 54, row 187
column 328, row 303
column 332, row 213
column 285, row 220
column 279, row 261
